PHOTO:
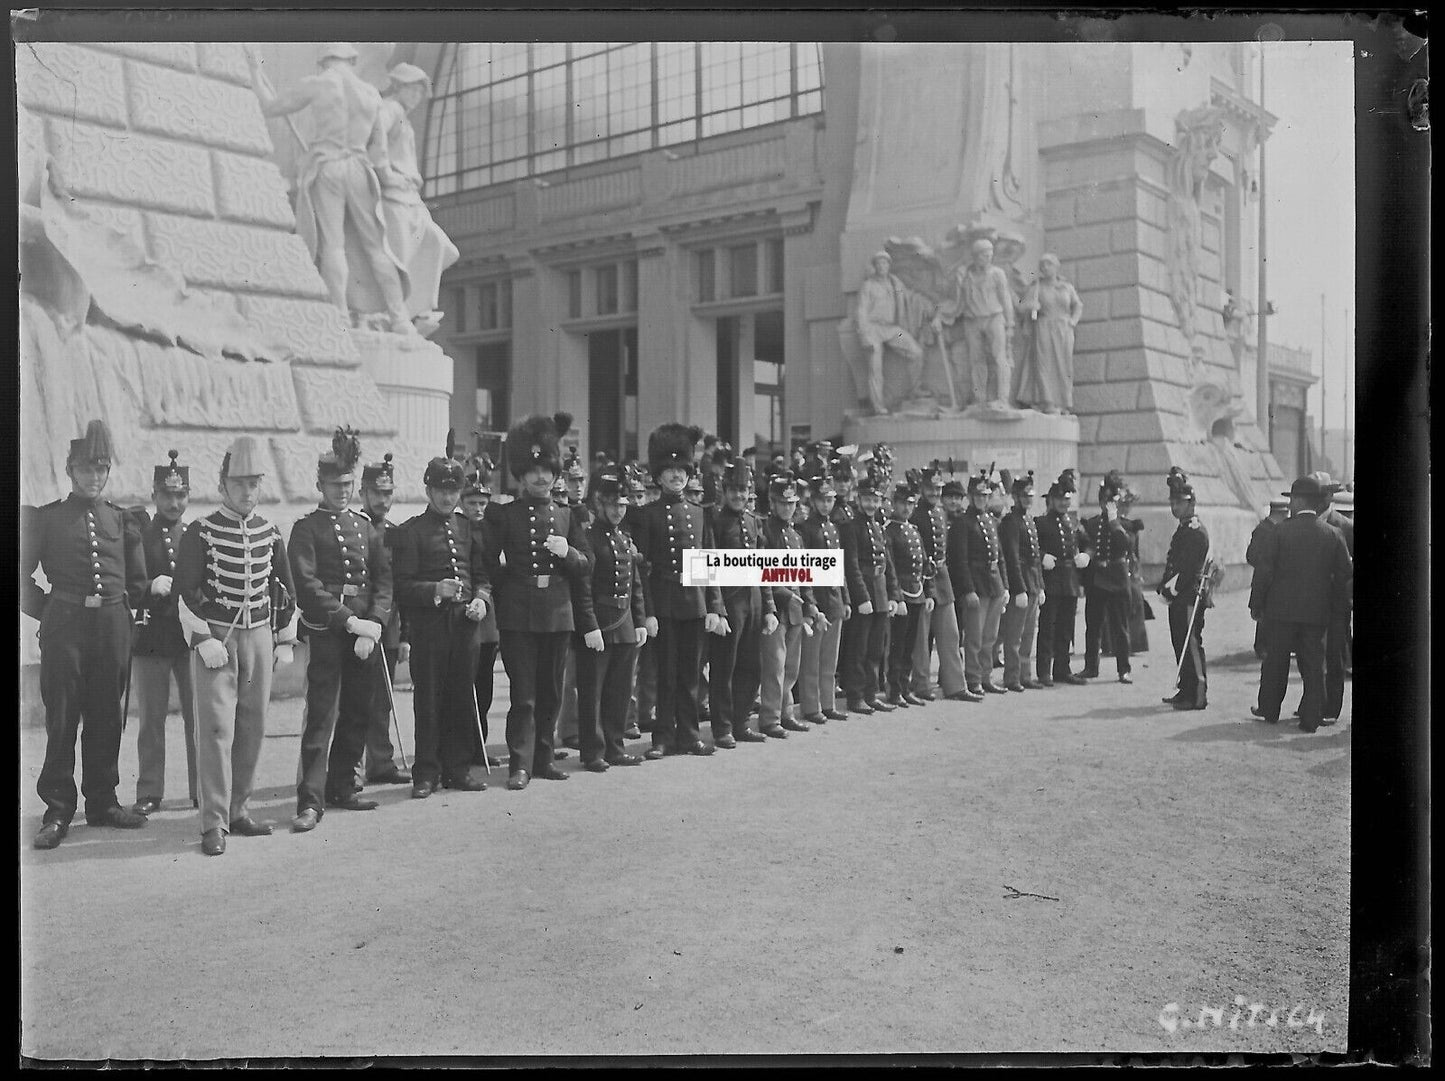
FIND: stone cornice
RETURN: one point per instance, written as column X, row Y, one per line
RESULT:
column 1240, row 109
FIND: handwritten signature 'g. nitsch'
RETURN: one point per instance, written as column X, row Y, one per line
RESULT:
column 1245, row 1015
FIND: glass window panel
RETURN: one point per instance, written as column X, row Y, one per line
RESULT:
column 767, row 373
column 549, row 110
column 476, row 128
column 706, row 275
column 509, row 59
column 509, row 119
column 743, row 261
column 676, row 81
column 630, row 144
column 775, row 265
column 607, row 290
column 457, row 309
column 677, row 133
column 589, row 96
column 487, row 306
column 505, row 303
column 574, row 294
column 721, row 88
column 629, row 286
column 719, row 123
column 587, row 48
column 547, row 53
column 549, row 162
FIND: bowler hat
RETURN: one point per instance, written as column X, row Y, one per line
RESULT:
column 1308, row 486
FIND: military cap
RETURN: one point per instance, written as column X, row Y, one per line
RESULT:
column 930, row 474
column 1279, row 503
column 338, row 463
column 737, row 476
column 782, row 487
column 1179, row 486
column 478, row 475
column 379, row 476
column 572, row 467
column 821, row 487
column 1022, row 485
column 1111, row 486
column 242, row 458
column 172, row 477
column 870, row 485
column 446, row 471
column 611, row 486
column 94, row 446
column 672, row 445
column 952, row 488
column 980, row 484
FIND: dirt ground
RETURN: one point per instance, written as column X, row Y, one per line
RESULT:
column 845, row 891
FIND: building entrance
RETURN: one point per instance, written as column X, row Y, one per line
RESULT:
column 612, row 392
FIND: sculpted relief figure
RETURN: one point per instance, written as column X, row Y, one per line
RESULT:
column 885, row 308
column 338, row 194
column 1197, row 135
column 1053, row 309
column 421, row 245
column 979, row 312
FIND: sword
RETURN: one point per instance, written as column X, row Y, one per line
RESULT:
column 481, row 734
column 1189, row 632
column 391, row 701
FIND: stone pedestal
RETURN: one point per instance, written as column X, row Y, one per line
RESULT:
column 1046, row 444
column 415, row 378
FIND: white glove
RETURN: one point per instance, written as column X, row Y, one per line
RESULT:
column 725, row 628
column 1021, row 600
column 213, row 653
column 501, row 559
column 1042, row 597
column 820, row 623
column 557, row 545
column 363, row 647
column 477, row 610
column 449, row 588
column 403, row 653
column 928, row 604
column 1081, row 560
column 770, row 623
column 897, row 608
column 970, row 600
column 651, row 626
column 161, row 585
column 1050, row 561
column 641, row 636
column 593, row 639
column 710, row 622
column 808, row 628
column 866, row 608
column 284, row 653
column 847, row 612
column 364, row 628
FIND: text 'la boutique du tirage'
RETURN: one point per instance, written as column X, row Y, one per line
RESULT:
column 768, row 566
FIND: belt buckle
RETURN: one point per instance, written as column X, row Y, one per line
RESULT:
column 93, row 601
column 350, row 590
column 543, row 581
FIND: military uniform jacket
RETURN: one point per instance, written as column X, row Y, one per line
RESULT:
column 582, row 512
column 234, row 572
column 87, row 549
column 393, row 633
column 1062, row 539
column 1251, row 553
column 910, row 564
column 158, row 632
column 535, row 590
column 794, row 603
column 1188, row 549
column 741, row 531
column 341, row 567
column 611, row 598
column 1107, row 543
column 975, row 555
column 868, row 563
column 1304, row 573
column 932, row 523
column 820, row 532
column 1019, row 539
column 663, row 529
column 429, row 548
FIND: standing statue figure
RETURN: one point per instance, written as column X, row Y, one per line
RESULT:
column 980, row 315
column 1053, row 308
column 337, row 190
column 418, row 241
column 885, row 308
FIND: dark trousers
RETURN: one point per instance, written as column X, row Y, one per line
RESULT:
column 1307, row 642
column 679, row 659
column 484, row 683
column 604, row 685
column 340, row 692
column 83, row 656
column 534, row 662
column 734, row 670
column 1106, row 610
column 380, row 754
column 443, row 664
column 1336, row 644
column 1056, row 635
column 867, row 641
column 644, row 698
column 1189, row 643
column 903, row 632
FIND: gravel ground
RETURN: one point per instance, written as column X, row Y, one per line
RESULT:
column 868, row 887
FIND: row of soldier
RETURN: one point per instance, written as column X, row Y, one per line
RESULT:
column 549, row 582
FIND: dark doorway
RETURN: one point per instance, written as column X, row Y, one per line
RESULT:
column 727, row 380
column 494, row 376
column 612, row 392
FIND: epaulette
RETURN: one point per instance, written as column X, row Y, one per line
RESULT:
column 1194, row 523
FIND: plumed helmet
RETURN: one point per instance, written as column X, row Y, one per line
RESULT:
column 1112, row 486
column 1179, row 486
column 338, row 463
column 94, row 446
column 534, row 441
column 172, row 477
column 445, row 471
column 782, row 487
column 1023, row 485
column 672, row 445
column 738, row 475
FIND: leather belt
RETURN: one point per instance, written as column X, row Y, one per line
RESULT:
column 351, row 589
column 541, row 581
column 85, row 600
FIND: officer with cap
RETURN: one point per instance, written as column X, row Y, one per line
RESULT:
column 942, row 625
column 160, row 651
column 734, row 672
column 915, row 589
column 644, row 684
column 378, row 491
column 1184, row 577
column 818, row 671
column 1062, row 556
column 476, row 499
column 1106, row 582
column 444, row 590
column 537, row 556
column 873, row 592
column 797, row 611
column 236, row 603
column 342, row 572
column 90, row 552
column 1018, row 536
column 1302, row 585
column 978, row 567
column 611, row 624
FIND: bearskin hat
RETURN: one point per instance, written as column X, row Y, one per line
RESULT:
column 672, row 445
column 1111, row 486
column 1179, row 486
column 534, row 440
column 94, row 446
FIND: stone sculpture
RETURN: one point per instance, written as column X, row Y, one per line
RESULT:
column 1052, row 309
column 884, row 307
column 1197, row 136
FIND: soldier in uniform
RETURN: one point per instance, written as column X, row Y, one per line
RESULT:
column 915, row 588
column 818, row 673
column 612, row 623
column 1106, row 582
column 1302, row 584
column 1062, row 556
column 978, row 568
column 476, row 498
column 443, row 586
column 342, row 572
column 734, row 659
column 873, row 592
column 378, row 489
column 942, row 624
column 90, row 551
column 679, row 614
column 537, row 555
column 1184, row 571
column 797, row 612
column 236, row 604
column 1019, row 538
column 160, row 651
